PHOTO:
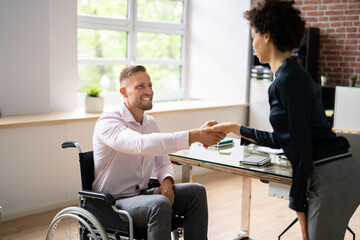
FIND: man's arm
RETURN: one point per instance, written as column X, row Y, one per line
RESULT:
column 206, row 135
column 118, row 136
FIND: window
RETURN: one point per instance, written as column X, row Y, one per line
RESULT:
column 116, row 33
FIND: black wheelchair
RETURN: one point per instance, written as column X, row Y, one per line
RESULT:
column 97, row 217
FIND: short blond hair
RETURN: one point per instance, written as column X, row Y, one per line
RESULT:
column 130, row 70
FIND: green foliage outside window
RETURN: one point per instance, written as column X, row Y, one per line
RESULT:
column 105, row 8
column 111, row 44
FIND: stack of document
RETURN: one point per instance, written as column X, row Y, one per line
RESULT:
column 269, row 150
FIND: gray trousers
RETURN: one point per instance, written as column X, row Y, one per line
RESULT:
column 333, row 196
column 152, row 212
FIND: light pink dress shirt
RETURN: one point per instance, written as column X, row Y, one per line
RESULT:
column 126, row 152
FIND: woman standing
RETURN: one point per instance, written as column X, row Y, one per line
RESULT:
column 324, row 191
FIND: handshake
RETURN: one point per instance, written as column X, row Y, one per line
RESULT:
column 212, row 132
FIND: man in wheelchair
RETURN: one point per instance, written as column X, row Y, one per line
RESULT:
column 128, row 145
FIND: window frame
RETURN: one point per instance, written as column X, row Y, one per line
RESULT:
column 133, row 26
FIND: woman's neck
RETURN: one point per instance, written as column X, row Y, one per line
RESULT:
column 277, row 59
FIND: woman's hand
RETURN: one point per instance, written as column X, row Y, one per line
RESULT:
column 303, row 223
column 227, row 127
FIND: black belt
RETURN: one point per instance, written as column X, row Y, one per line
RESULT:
column 331, row 159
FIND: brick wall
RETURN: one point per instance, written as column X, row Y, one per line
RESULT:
column 339, row 46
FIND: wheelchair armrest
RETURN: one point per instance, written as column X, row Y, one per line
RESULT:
column 154, row 182
column 107, row 197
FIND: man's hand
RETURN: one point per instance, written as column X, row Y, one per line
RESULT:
column 206, row 135
column 303, row 223
column 166, row 189
column 227, row 127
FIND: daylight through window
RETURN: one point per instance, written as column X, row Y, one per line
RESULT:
column 116, row 33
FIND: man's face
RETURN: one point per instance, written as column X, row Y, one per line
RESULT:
column 138, row 92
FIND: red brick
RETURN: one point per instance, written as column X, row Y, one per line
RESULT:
column 309, row 19
column 352, row 30
column 354, row 6
column 353, row 35
column 315, row 13
column 320, row 25
column 329, row 30
column 348, row 70
column 338, row 35
column 336, row 6
column 335, row 24
column 351, row 41
column 350, row 59
column 351, row 47
column 340, row 29
column 347, row 24
column 357, row 24
column 318, row 2
column 337, row 70
column 345, row 64
column 329, row 52
column 309, row 8
column 350, row 53
column 332, row 64
column 334, row 58
column 337, row 18
column 352, row 18
column 335, row 47
column 352, row 12
column 332, row 13
column 327, row 41
column 323, row 19
column 330, row 1
column 355, row 64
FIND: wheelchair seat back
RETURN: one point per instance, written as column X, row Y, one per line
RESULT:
column 87, row 169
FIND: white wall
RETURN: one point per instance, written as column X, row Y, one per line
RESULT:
column 218, row 63
column 63, row 55
column 38, row 71
column 37, row 175
column 38, row 53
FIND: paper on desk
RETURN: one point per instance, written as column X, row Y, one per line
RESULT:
column 269, row 150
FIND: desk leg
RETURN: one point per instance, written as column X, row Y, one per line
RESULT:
column 186, row 173
column 245, row 211
column 246, row 205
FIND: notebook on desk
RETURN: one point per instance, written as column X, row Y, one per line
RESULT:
column 255, row 160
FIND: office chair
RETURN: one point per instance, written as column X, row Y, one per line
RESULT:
column 97, row 217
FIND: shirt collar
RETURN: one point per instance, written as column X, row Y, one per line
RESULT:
column 128, row 117
column 287, row 61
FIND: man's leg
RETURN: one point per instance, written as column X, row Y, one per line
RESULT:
column 191, row 202
column 151, row 213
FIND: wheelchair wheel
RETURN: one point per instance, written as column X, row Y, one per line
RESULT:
column 75, row 223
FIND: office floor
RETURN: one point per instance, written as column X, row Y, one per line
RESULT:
column 269, row 216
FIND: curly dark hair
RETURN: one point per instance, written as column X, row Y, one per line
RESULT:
column 280, row 19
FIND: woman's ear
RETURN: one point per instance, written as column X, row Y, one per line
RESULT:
column 266, row 37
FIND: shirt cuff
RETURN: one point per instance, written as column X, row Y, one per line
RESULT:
column 244, row 132
column 297, row 205
column 168, row 176
column 182, row 140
